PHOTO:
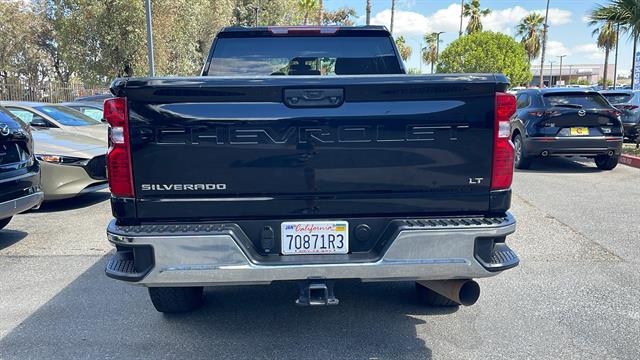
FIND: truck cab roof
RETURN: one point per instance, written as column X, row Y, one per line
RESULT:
column 331, row 30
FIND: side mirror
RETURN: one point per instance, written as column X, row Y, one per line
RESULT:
column 39, row 122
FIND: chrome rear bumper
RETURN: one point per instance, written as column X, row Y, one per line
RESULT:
column 213, row 254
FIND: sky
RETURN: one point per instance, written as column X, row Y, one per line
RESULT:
column 569, row 31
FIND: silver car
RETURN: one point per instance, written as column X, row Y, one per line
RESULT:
column 72, row 159
column 54, row 116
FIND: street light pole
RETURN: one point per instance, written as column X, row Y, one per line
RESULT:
column 257, row 9
column 545, row 30
column 461, row 17
column 615, row 66
column 551, row 74
column 561, row 57
column 437, row 48
column 152, row 68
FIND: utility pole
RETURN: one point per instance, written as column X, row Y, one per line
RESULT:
column 152, row 68
column 368, row 10
column 561, row 56
column 437, row 48
column 551, row 74
column 570, row 73
column 393, row 14
column 461, row 17
column 615, row 66
column 545, row 30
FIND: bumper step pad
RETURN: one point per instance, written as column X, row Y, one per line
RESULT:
column 502, row 258
column 121, row 266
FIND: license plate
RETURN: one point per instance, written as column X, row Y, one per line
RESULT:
column 579, row 131
column 314, row 237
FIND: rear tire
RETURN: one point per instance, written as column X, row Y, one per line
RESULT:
column 4, row 222
column 519, row 159
column 604, row 162
column 431, row 298
column 176, row 299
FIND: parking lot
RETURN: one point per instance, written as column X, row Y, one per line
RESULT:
column 574, row 294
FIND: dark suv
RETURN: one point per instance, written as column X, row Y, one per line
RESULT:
column 628, row 102
column 566, row 122
column 19, row 171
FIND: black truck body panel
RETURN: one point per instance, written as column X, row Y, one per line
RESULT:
column 235, row 148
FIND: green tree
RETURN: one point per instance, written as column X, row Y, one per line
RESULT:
column 307, row 7
column 530, row 31
column 625, row 13
column 430, row 52
column 474, row 13
column 404, row 49
column 607, row 38
column 340, row 16
column 487, row 52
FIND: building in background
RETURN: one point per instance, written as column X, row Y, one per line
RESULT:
column 589, row 73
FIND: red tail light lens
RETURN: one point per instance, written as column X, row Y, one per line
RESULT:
column 119, row 154
column 627, row 107
column 502, row 169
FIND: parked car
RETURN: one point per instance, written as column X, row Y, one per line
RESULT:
column 19, row 171
column 100, row 98
column 219, row 180
column 90, row 108
column 46, row 116
column 628, row 102
column 562, row 122
column 72, row 164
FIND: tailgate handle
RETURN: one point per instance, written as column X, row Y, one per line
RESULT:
column 298, row 98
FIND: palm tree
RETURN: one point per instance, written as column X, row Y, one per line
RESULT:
column 368, row 11
column 530, row 29
column 475, row 15
column 607, row 36
column 404, row 49
column 430, row 52
column 393, row 14
column 627, row 14
column 307, row 7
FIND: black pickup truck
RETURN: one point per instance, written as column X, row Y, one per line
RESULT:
column 306, row 154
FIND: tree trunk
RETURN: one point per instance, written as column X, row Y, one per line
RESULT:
column 393, row 14
column 606, row 66
column 321, row 12
column 306, row 18
column 368, row 10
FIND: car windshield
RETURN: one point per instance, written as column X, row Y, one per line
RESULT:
column 578, row 100
column 67, row 116
column 618, row 98
column 262, row 56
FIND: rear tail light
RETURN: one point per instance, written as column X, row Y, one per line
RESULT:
column 627, row 107
column 119, row 154
column 502, row 169
column 614, row 112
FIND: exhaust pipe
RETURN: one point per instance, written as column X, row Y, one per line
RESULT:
column 610, row 153
column 544, row 153
column 463, row 292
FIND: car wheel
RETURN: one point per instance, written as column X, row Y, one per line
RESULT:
column 520, row 160
column 4, row 222
column 604, row 162
column 429, row 297
column 176, row 299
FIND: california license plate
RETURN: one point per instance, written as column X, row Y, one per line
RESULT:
column 579, row 131
column 315, row 237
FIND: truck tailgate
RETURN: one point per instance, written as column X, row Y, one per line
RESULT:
column 296, row 147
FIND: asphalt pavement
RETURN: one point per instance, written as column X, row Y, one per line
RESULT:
column 574, row 295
